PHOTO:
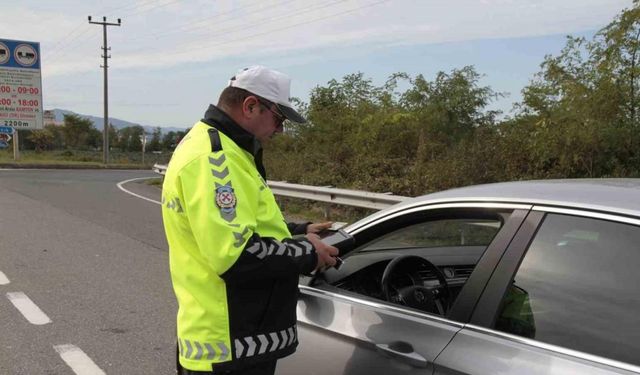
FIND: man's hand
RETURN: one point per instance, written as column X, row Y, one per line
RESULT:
column 326, row 253
column 319, row 227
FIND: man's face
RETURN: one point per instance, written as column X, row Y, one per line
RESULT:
column 266, row 120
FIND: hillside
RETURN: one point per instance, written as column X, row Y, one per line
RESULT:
column 98, row 122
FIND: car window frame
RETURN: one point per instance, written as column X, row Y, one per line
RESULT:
column 464, row 305
column 489, row 304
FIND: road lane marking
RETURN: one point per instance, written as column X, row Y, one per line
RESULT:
column 28, row 309
column 79, row 362
column 3, row 279
column 134, row 194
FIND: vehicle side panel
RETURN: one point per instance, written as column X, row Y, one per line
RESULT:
column 339, row 336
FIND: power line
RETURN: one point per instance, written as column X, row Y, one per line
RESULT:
column 150, row 9
column 64, row 38
column 86, row 37
column 81, row 25
column 284, row 28
column 64, row 44
column 129, row 7
column 231, row 30
column 188, row 26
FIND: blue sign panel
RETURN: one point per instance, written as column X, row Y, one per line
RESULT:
column 17, row 54
column 6, row 130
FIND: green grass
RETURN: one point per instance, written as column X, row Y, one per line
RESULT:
column 305, row 210
column 154, row 182
column 78, row 158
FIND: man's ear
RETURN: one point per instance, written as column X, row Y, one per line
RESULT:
column 249, row 103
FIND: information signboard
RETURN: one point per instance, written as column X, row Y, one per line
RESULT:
column 5, row 136
column 20, row 85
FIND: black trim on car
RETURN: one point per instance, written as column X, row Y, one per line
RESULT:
column 486, row 310
column 475, row 284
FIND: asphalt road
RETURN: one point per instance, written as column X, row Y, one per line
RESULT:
column 84, row 277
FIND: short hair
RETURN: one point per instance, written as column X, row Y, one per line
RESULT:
column 233, row 97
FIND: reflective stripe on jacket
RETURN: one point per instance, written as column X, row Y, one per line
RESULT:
column 234, row 266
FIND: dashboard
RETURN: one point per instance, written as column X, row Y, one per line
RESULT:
column 362, row 271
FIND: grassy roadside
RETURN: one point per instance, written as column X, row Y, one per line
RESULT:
column 305, row 210
column 157, row 182
column 77, row 159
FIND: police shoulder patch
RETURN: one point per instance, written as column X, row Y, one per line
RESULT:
column 226, row 199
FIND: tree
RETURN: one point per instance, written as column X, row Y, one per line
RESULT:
column 79, row 132
column 43, row 139
column 154, row 144
column 113, row 136
column 376, row 138
column 169, row 141
column 585, row 104
column 129, row 138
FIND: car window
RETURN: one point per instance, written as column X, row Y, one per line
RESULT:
column 452, row 243
column 439, row 233
column 577, row 287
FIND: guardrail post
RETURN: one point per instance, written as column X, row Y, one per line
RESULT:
column 327, row 211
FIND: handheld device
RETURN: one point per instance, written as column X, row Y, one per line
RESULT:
column 340, row 239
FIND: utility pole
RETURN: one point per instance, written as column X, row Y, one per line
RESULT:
column 105, row 56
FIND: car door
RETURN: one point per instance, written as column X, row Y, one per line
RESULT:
column 563, row 300
column 346, row 332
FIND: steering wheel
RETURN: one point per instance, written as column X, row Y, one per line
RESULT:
column 429, row 299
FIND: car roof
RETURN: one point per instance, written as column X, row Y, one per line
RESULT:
column 614, row 195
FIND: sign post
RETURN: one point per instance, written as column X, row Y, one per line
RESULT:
column 20, row 87
column 16, row 145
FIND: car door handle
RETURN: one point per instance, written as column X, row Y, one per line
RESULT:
column 404, row 352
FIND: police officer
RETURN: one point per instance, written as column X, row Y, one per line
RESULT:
column 234, row 264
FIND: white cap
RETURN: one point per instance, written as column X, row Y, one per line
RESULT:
column 268, row 84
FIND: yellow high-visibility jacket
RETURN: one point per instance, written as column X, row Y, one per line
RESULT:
column 234, row 266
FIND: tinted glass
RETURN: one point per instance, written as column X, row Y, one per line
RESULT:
column 440, row 233
column 453, row 245
column 577, row 287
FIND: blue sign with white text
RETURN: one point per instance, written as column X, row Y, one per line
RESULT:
column 19, row 54
column 6, row 130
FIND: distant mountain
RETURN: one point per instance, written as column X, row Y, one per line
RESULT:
column 98, row 122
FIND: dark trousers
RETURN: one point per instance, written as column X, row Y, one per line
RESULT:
column 264, row 368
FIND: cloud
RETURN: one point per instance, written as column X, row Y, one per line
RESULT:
column 167, row 33
column 160, row 41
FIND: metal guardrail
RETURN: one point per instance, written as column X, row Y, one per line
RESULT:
column 354, row 198
column 159, row 168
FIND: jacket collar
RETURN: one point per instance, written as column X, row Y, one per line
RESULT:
column 217, row 118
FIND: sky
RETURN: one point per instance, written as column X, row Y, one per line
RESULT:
column 171, row 58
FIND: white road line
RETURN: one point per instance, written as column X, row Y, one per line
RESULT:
column 29, row 309
column 3, row 279
column 134, row 194
column 79, row 362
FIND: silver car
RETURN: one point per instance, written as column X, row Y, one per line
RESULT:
column 535, row 277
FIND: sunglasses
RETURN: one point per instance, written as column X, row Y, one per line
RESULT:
column 279, row 116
